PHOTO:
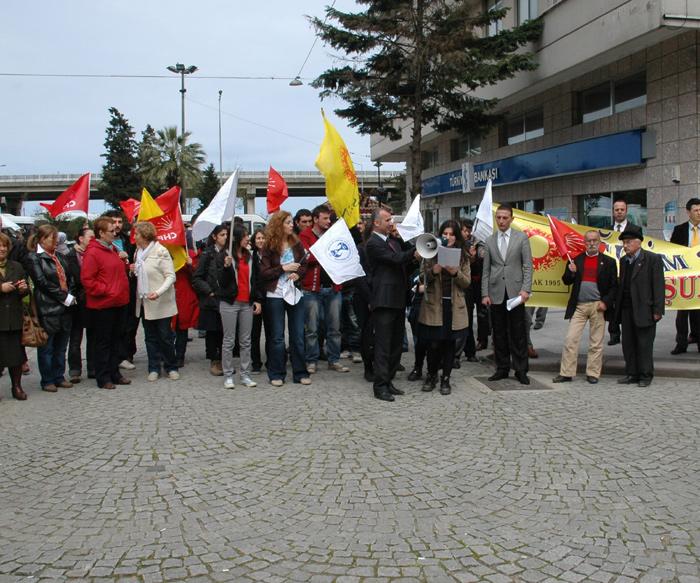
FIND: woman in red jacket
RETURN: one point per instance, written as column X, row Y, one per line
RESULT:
column 104, row 278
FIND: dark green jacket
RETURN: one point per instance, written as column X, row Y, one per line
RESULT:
column 11, row 304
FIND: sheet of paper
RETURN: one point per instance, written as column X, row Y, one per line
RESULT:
column 514, row 302
column 449, row 256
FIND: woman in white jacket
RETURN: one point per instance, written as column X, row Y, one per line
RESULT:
column 155, row 300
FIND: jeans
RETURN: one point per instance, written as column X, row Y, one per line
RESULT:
column 160, row 344
column 237, row 315
column 255, row 355
column 331, row 303
column 350, row 326
column 181, row 337
column 52, row 358
column 75, row 353
column 275, row 309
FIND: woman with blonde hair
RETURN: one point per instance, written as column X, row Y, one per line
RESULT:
column 155, row 300
column 54, row 293
column 282, row 265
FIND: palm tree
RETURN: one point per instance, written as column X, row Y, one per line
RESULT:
column 174, row 162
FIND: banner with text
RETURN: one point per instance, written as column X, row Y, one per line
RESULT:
column 681, row 264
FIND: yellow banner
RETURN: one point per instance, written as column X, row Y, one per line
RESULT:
column 681, row 264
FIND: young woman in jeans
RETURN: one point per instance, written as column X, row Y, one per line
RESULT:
column 281, row 267
column 238, row 303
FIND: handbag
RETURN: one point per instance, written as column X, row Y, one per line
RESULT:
column 33, row 334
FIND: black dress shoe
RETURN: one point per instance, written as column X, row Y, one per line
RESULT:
column 523, row 378
column 472, row 359
column 415, row 375
column 445, row 388
column 400, row 368
column 614, row 339
column 383, row 395
column 592, row 380
column 498, row 375
column 679, row 349
column 429, row 383
column 561, row 379
column 627, row 381
column 456, row 363
column 644, row 383
column 395, row 391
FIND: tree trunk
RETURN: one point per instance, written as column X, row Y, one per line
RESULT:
column 417, row 73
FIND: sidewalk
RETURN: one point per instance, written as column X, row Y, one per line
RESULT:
column 548, row 342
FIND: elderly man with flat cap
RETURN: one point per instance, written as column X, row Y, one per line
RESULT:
column 639, row 306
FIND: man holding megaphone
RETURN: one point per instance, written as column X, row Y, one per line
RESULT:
column 389, row 266
column 507, row 275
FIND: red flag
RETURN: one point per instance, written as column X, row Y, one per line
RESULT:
column 131, row 208
column 568, row 241
column 277, row 191
column 170, row 228
column 74, row 199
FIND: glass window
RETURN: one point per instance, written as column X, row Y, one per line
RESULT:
column 630, row 93
column 497, row 26
column 530, row 206
column 429, row 158
column 464, row 147
column 524, row 127
column 527, row 10
column 595, row 210
column 595, row 103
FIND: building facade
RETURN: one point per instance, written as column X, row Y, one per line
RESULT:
column 611, row 112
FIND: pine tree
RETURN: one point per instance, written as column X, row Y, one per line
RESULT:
column 417, row 63
column 148, row 157
column 120, row 179
column 209, row 186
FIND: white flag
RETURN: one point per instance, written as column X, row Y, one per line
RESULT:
column 484, row 216
column 337, row 253
column 7, row 223
column 220, row 209
column 412, row 224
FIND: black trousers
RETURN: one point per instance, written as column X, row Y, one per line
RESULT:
column 212, row 344
column 255, row 355
column 107, row 326
column 364, row 321
column 637, row 347
column 388, row 339
column 75, row 353
column 441, row 355
column 509, row 337
column 682, row 317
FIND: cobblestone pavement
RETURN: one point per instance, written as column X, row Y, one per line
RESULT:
column 185, row 481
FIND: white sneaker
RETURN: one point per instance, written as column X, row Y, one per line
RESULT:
column 173, row 375
column 247, row 381
column 346, row 354
column 337, row 367
column 228, row 383
column 356, row 357
column 125, row 364
column 311, row 367
column 152, row 376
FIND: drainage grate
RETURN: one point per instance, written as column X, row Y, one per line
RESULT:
column 512, row 384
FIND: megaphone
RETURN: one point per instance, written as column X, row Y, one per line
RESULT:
column 427, row 245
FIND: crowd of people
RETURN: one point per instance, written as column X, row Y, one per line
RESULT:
column 90, row 298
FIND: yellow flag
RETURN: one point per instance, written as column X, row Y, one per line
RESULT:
column 335, row 164
column 149, row 208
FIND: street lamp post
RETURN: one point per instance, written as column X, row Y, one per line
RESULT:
column 378, row 164
column 221, row 158
column 180, row 69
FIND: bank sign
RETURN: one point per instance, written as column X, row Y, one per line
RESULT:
column 612, row 151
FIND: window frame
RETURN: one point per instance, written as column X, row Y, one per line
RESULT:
column 525, row 135
column 613, row 88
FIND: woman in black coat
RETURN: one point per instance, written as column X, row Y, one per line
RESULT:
column 13, row 286
column 54, row 294
column 205, row 282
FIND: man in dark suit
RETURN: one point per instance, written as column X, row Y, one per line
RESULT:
column 507, row 274
column 688, row 235
column 389, row 266
column 620, row 225
column 594, row 279
column 639, row 305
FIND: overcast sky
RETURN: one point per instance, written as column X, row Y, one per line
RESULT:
column 57, row 125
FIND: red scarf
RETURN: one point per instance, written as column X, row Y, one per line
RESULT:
column 59, row 271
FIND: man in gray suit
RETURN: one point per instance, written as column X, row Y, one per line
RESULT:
column 507, row 274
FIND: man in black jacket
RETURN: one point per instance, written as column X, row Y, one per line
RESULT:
column 639, row 305
column 688, row 235
column 594, row 279
column 389, row 265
